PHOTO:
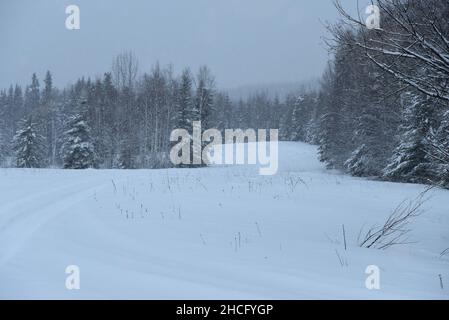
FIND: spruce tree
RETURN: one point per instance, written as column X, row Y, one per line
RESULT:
column 443, row 140
column 187, row 111
column 204, row 98
column 28, row 145
column 367, row 158
column 359, row 163
column 286, row 123
column 32, row 95
column 297, row 119
column 2, row 142
column 410, row 162
column 204, row 104
column 77, row 149
column 329, row 145
column 439, row 152
column 48, row 112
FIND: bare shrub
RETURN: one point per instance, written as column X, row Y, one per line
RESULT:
column 396, row 229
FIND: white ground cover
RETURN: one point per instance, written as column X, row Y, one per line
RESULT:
column 214, row 233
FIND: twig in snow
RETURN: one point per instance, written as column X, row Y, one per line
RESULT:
column 342, row 260
column 202, row 239
column 240, row 239
column 258, row 229
column 115, row 187
column 292, row 182
column 445, row 252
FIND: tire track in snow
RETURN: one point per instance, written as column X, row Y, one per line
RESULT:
column 20, row 227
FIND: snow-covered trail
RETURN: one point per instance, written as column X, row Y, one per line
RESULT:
column 218, row 232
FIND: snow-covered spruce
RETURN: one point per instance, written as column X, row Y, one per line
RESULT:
column 28, row 145
column 2, row 141
column 410, row 162
column 360, row 163
column 77, row 149
column 439, row 152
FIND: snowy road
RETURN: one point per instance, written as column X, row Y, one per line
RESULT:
column 219, row 232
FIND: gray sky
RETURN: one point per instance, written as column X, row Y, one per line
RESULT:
column 242, row 41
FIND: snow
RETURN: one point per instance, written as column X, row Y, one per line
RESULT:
column 174, row 234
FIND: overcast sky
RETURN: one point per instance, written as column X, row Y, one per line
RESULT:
column 242, row 41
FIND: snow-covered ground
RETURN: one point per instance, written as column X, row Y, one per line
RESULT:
column 213, row 233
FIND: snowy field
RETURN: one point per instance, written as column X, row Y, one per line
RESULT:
column 213, row 233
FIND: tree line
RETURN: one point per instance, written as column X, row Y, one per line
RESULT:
column 118, row 121
column 121, row 120
column 381, row 110
column 383, row 107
